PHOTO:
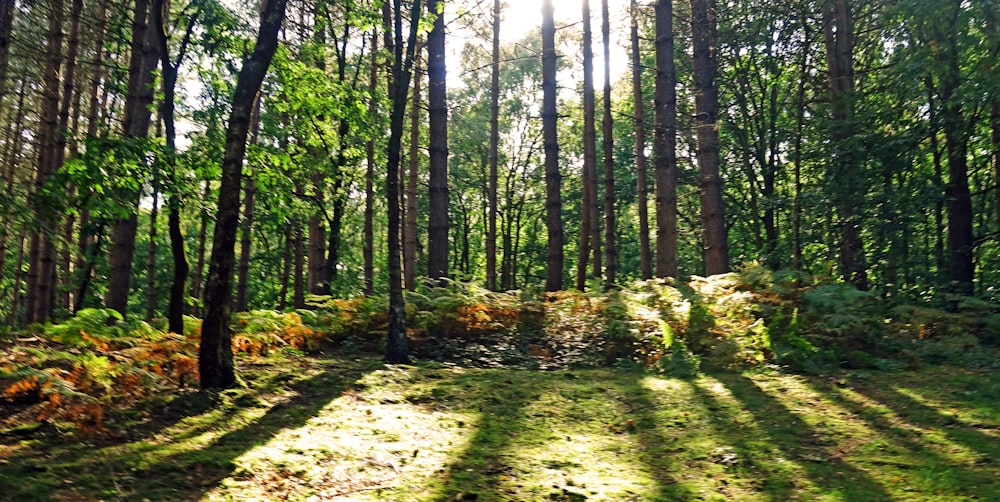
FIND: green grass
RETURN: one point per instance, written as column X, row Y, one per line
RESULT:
column 348, row 428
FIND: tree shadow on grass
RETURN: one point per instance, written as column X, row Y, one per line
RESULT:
column 143, row 469
column 787, row 432
column 972, row 473
column 484, row 461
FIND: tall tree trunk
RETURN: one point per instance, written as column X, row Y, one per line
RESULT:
column 800, row 115
column 848, row 179
column 151, row 254
column 995, row 122
column 369, row 232
column 610, row 248
column 397, row 351
column 286, row 266
column 199, row 268
column 491, row 190
column 142, row 62
column 713, row 220
column 65, row 141
column 589, row 228
column 410, row 230
column 246, row 229
column 645, row 254
column 6, row 23
column 317, row 233
column 168, row 82
column 41, row 254
column 215, row 356
column 553, row 179
column 298, row 276
column 665, row 142
column 437, row 115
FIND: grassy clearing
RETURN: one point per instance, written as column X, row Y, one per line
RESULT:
column 340, row 427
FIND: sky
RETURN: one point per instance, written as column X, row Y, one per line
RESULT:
column 519, row 17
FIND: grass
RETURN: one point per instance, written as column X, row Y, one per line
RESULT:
column 345, row 427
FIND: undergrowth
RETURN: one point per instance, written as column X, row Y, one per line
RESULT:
column 72, row 372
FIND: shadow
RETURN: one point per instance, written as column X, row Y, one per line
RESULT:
column 962, row 479
column 141, row 469
column 485, row 461
column 795, row 439
column 651, row 438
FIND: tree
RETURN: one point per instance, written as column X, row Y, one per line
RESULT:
column 665, row 142
column 553, row 180
column 610, row 248
column 143, row 60
column 716, row 252
column 645, row 255
column 215, row 356
column 437, row 106
column 491, row 231
column 847, row 177
column 397, row 351
column 589, row 229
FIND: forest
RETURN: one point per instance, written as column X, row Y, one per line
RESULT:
column 499, row 250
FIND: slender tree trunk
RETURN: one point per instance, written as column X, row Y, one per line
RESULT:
column 800, row 115
column 246, row 227
column 995, row 123
column 215, row 356
column 6, row 23
column 15, row 303
column 151, row 254
column 369, row 231
column 199, row 268
column 136, row 125
column 665, row 142
column 65, row 141
column 41, row 254
column 610, row 248
column 848, row 180
column 645, row 255
column 553, row 179
column 286, row 267
column 298, row 277
column 410, row 230
column 317, row 234
column 437, row 108
column 589, row 230
column 716, row 252
column 491, row 190
column 397, row 351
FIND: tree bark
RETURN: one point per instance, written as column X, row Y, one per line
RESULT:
column 995, row 123
column 215, row 356
column 6, row 23
column 645, row 254
column 369, row 231
column 553, row 179
column 410, row 230
column 665, row 142
column 716, row 252
column 41, row 254
column 848, row 179
column 610, row 248
column 491, row 190
column 437, row 115
column 199, row 268
column 589, row 230
column 151, row 255
column 397, row 351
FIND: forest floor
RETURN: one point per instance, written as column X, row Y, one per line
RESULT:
column 339, row 425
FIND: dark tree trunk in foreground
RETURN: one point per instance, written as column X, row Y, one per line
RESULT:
column 553, row 180
column 645, row 255
column 610, row 249
column 491, row 197
column 716, row 252
column 665, row 142
column 848, row 180
column 996, row 159
column 437, row 116
column 6, row 22
column 397, row 351
column 215, row 357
